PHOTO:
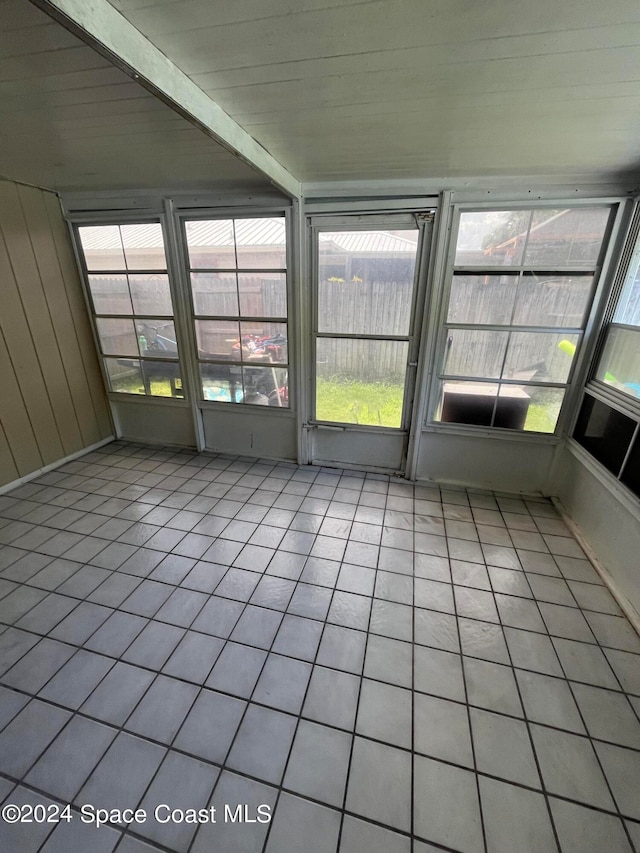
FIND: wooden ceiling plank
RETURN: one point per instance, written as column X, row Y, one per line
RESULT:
column 102, row 26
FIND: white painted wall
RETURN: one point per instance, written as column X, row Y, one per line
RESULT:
column 608, row 517
column 518, row 464
column 154, row 422
column 260, row 432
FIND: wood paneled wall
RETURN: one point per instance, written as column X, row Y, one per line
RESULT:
column 52, row 399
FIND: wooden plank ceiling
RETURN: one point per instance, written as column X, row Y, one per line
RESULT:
column 401, row 89
column 69, row 120
column 335, row 90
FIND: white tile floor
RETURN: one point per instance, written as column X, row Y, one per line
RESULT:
column 391, row 669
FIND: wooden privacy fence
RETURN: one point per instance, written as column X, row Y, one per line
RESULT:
column 384, row 308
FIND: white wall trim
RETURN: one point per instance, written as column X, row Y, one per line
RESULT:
column 607, row 578
column 39, row 471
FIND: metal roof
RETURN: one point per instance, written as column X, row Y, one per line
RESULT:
column 375, row 242
column 265, row 232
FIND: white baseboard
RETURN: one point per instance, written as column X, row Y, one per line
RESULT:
column 621, row 600
column 39, row 471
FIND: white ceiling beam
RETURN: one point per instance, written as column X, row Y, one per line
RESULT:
column 101, row 26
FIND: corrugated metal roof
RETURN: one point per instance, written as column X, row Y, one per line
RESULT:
column 375, row 242
column 248, row 232
column 212, row 232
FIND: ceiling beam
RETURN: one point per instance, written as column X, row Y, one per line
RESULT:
column 102, row 27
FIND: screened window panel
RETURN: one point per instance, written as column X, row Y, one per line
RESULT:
column 360, row 381
column 471, row 352
column 143, row 245
column 218, row 340
column 110, row 294
column 102, row 247
column 628, row 308
column 539, row 356
column 124, row 375
column 262, row 294
column 117, row 337
column 221, row 383
column 550, row 300
column 142, row 334
column 215, row 294
column 365, row 281
column 542, row 410
column 467, row 402
column 566, row 238
column 492, row 237
column 150, row 294
column 539, row 300
column 244, row 288
column 482, row 299
column 264, row 340
column 211, row 244
column 619, row 365
column 265, row 386
column 261, row 243
column 156, row 338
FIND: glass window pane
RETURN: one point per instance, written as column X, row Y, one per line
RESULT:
column 540, row 357
column 604, row 432
column 486, row 299
column 263, row 294
column 628, row 309
column 221, row 383
column 360, row 381
column 261, row 243
column 162, row 379
column 264, row 340
column 110, row 294
column 551, row 300
column 157, row 338
column 492, row 237
column 215, row 294
column 211, row 244
column 365, row 281
column 467, row 402
column 144, row 246
column 117, row 337
column 265, row 386
column 218, row 340
column 543, row 407
column 124, row 375
column 566, row 238
column 151, row 295
column 620, row 362
column 102, row 247
column 631, row 473
column 475, row 353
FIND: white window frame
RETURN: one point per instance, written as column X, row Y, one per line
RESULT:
column 439, row 324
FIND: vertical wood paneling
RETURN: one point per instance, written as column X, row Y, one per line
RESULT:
column 79, row 314
column 52, row 400
column 14, row 419
column 31, row 292
column 8, row 470
column 55, row 294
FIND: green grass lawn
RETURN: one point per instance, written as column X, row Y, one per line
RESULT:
column 542, row 417
column 131, row 385
column 379, row 404
column 367, row 403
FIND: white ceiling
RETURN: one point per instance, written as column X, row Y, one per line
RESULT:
column 70, row 120
column 401, row 89
column 335, row 90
